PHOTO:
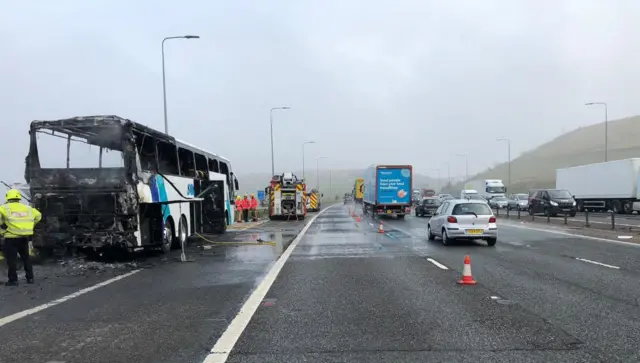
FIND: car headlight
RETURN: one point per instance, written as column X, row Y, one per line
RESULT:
column 574, row 203
column 553, row 203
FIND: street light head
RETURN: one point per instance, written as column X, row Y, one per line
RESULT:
column 191, row 37
column 285, row 107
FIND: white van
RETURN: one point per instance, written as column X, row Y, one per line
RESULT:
column 471, row 194
column 466, row 193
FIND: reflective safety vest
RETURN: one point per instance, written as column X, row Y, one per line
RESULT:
column 19, row 219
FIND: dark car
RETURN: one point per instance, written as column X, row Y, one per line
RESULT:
column 552, row 202
column 427, row 206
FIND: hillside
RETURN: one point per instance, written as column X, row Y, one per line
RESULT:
column 537, row 168
column 341, row 181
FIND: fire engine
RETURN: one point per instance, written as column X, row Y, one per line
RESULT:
column 313, row 201
column 286, row 195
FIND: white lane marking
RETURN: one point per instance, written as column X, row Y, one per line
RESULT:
column 597, row 263
column 625, row 237
column 13, row 317
column 437, row 263
column 569, row 234
column 221, row 350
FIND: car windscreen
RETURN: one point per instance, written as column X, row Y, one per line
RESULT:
column 500, row 199
column 431, row 201
column 479, row 209
column 560, row 194
column 523, row 196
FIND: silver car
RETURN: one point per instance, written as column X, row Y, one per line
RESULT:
column 463, row 219
column 518, row 201
column 498, row 202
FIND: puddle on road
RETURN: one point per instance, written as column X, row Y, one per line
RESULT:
column 398, row 234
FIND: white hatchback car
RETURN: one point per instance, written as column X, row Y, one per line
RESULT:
column 463, row 219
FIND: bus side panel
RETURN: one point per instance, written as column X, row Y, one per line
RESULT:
column 167, row 193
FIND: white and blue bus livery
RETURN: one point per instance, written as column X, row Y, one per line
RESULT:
column 160, row 192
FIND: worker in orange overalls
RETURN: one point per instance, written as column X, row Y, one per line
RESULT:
column 246, row 205
column 254, row 208
column 238, row 209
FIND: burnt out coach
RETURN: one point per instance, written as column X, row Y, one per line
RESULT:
column 105, row 181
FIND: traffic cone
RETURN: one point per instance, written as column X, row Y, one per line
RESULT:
column 358, row 219
column 380, row 228
column 467, row 279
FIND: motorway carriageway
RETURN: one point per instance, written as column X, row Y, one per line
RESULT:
column 344, row 293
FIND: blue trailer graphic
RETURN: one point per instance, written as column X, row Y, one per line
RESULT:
column 387, row 190
column 394, row 186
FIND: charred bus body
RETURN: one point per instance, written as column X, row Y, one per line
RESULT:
column 143, row 189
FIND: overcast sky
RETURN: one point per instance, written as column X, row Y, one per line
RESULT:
column 370, row 82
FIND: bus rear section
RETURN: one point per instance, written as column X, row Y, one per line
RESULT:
column 87, row 195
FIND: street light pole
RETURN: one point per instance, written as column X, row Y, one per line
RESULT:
column 273, row 167
column 303, row 144
column 606, row 125
column 164, row 82
column 449, row 174
column 318, row 170
column 508, row 156
column 438, row 179
column 466, row 168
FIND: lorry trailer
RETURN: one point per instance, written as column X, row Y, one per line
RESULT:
column 387, row 190
column 611, row 185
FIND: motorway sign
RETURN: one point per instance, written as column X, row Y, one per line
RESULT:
column 260, row 194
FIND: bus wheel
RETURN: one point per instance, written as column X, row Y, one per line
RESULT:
column 167, row 237
column 182, row 232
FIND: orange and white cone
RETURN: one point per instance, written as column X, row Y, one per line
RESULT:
column 467, row 279
column 380, row 228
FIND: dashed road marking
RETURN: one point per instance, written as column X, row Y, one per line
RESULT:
column 597, row 263
column 437, row 263
column 221, row 350
column 19, row 315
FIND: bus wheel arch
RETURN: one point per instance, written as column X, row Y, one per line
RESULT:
column 168, row 235
column 183, row 232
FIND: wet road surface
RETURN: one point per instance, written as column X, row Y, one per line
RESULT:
column 345, row 294
column 167, row 311
column 349, row 294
